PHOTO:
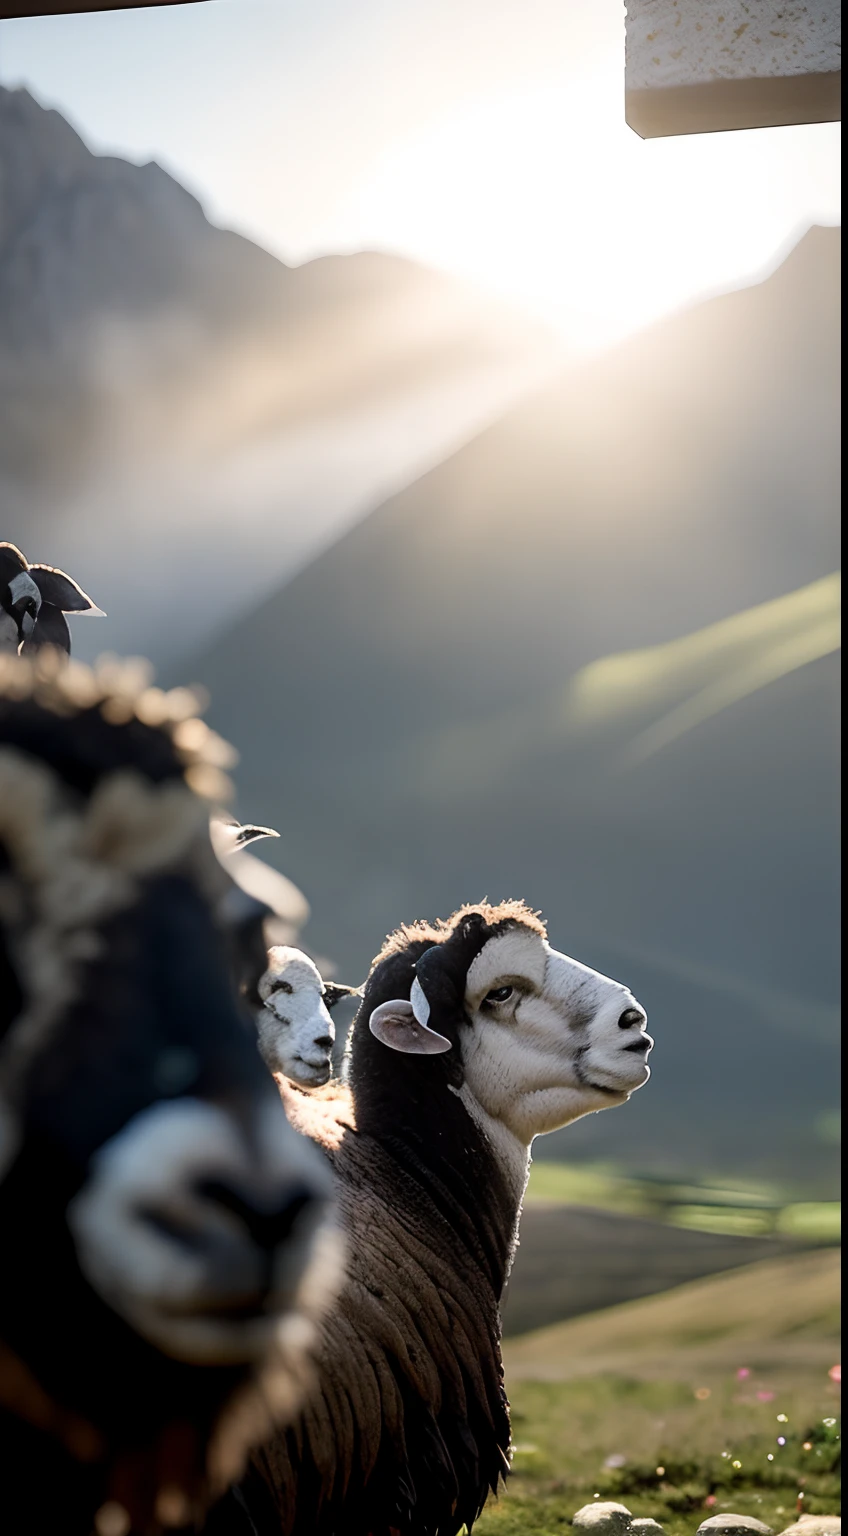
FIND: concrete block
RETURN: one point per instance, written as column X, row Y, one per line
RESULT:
column 710, row 66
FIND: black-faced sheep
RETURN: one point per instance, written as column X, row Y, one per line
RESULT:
column 473, row 1037
column 33, row 602
column 165, row 1233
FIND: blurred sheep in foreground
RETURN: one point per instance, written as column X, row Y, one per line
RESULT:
column 167, row 1237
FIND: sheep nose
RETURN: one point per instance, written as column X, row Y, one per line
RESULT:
column 325, row 1041
column 268, row 1224
column 631, row 1017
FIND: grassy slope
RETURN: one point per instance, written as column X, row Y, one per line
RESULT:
column 741, row 1209
column 654, row 1383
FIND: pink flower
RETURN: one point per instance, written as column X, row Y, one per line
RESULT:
column 765, row 1397
column 709, row 1501
column 743, row 1373
column 835, row 1373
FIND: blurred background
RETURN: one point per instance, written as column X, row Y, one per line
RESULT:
column 482, row 462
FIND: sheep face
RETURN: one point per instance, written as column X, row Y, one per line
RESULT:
column 195, row 1210
column 296, row 1033
column 549, row 1039
column 529, row 1038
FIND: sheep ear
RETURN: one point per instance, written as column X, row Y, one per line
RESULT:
column 394, row 1024
column 334, row 991
column 62, row 591
column 12, row 562
column 245, row 835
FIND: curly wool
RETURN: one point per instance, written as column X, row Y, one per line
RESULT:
column 503, row 914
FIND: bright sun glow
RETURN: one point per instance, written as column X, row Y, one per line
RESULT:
column 485, row 140
column 550, row 200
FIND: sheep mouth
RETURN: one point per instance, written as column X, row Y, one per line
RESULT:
column 619, row 1090
column 623, row 1090
column 611, row 1090
column 641, row 1046
column 318, row 1073
column 234, row 1310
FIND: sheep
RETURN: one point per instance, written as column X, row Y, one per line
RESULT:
column 167, row 1237
column 33, row 602
column 473, row 1037
column 296, row 1032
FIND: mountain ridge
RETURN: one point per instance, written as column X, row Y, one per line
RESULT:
column 154, row 362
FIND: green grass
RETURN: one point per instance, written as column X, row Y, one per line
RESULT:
column 679, row 1452
column 564, row 1184
column 743, row 1211
column 688, row 1394
column 819, row 1220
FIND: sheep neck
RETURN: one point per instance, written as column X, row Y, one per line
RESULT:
column 467, row 1180
column 413, row 1347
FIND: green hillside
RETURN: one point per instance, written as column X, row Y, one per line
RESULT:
column 716, row 1396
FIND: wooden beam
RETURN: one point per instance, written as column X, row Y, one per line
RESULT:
column 12, row 10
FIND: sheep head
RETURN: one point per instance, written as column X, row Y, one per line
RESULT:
column 530, row 1038
column 33, row 602
column 296, row 1032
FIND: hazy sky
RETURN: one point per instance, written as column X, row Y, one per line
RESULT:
column 486, row 137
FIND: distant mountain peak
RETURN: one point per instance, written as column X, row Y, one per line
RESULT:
column 153, row 361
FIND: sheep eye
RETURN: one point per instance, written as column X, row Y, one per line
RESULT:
column 498, row 995
column 281, row 986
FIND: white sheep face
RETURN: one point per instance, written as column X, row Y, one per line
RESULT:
column 175, row 1292
column 550, row 1039
column 296, row 1032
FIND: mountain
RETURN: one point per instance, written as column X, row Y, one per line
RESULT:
column 591, row 659
column 161, row 371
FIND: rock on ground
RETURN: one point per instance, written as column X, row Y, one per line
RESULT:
column 815, row 1525
column 605, row 1519
column 730, row 1524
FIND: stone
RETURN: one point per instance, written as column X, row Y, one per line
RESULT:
column 815, row 1525
column 646, row 1527
column 609, row 1519
column 734, row 1525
